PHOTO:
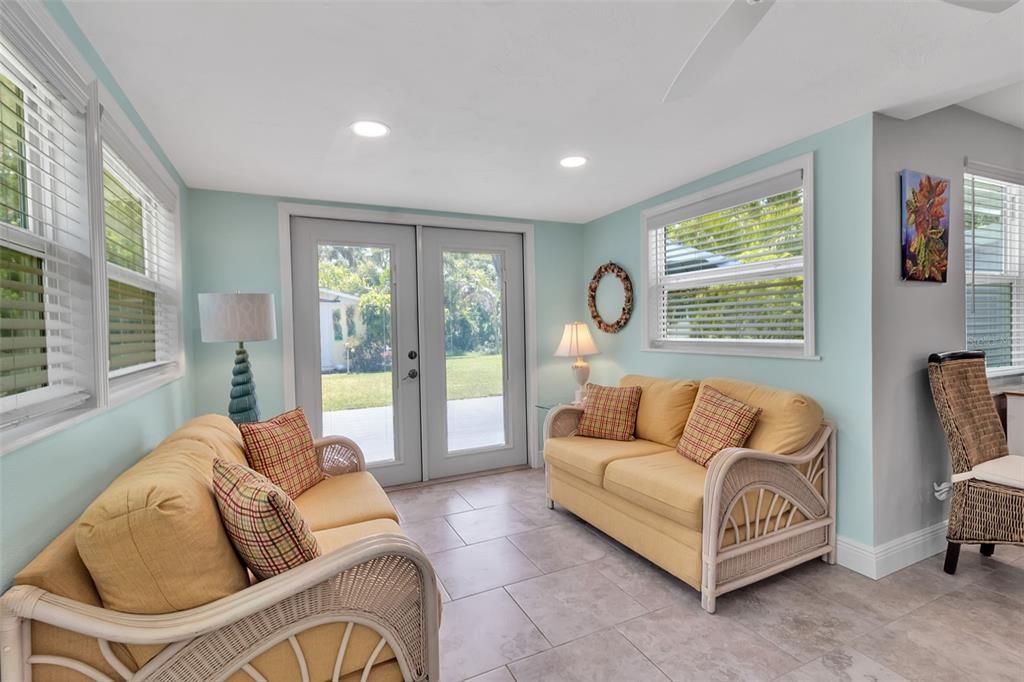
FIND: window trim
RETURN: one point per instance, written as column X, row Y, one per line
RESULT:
column 36, row 36
column 805, row 350
column 997, row 173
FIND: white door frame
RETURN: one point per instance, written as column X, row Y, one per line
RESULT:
column 286, row 210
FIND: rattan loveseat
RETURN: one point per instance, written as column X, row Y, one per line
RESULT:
column 753, row 512
column 146, row 586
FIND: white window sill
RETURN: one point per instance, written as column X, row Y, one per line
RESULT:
column 732, row 349
column 36, row 429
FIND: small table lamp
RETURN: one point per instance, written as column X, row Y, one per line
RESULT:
column 577, row 341
column 241, row 318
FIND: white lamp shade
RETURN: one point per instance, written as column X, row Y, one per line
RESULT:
column 237, row 317
column 576, row 341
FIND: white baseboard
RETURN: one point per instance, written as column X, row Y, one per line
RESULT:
column 880, row 560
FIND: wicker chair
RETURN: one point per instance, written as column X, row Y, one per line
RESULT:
column 987, row 499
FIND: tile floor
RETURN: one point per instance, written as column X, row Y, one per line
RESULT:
column 534, row 594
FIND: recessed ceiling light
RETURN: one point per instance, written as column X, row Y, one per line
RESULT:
column 573, row 161
column 370, row 129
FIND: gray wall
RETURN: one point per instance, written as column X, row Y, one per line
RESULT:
column 912, row 319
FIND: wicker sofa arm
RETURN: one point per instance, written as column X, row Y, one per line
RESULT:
column 562, row 421
column 339, row 455
column 384, row 582
column 756, row 496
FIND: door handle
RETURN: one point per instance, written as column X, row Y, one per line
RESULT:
column 412, row 374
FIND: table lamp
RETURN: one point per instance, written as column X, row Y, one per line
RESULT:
column 241, row 318
column 577, row 342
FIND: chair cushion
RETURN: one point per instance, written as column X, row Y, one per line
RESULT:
column 587, row 458
column 610, row 412
column 282, row 450
column 153, row 541
column 333, row 538
column 665, row 484
column 717, row 421
column 1008, row 471
column 787, row 421
column 664, row 406
column 263, row 523
column 344, row 500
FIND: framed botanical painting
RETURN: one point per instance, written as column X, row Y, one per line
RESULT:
column 924, row 226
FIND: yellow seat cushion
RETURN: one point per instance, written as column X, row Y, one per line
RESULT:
column 788, row 420
column 665, row 405
column 153, row 541
column 587, row 458
column 334, row 538
column 667, row 484
column 344, row 500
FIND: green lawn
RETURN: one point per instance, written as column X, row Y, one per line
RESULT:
column 471, row 376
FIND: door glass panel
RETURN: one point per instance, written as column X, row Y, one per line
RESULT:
column 474, row 349
column 356, row 359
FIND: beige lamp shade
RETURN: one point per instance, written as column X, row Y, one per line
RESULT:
column 576, row 341
column 237, row 317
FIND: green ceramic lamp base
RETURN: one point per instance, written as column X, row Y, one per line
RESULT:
column 243, row 407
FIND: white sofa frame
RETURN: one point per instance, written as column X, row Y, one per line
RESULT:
column 767, row 540
column 383, row 582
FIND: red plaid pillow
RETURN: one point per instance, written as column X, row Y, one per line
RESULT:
column 717, row 421
column 609, row 412
column 282, row 450
column 262, row 521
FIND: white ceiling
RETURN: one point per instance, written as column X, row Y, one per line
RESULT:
column 484, row 98
column 1005, row 104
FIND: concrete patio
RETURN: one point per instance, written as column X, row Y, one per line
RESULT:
column 472, row 423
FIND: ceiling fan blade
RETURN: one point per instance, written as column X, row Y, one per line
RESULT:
column 723, row 38
column 991, row 6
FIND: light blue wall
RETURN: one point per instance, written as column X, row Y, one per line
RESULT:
column 841, row 379
column 234, row 246
column 46, row 485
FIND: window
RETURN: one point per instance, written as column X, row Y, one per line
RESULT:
column 729, row 269
column 142, row 291
column 64, row 204
column 993, row 222
column 46, row 306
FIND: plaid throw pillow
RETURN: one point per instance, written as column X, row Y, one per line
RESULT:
column 717, row 421
column 262, row 521
column 282, row 450
column 609, row 412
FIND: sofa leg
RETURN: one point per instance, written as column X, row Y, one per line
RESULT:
column 551, row 503
column 988, row 548
column 952, row 556
column 707, row 601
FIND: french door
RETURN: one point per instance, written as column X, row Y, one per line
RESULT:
column 409, row 340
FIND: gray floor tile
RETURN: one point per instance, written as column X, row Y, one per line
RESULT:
column 481, row 566
column 497, row 675
column 433, row 535
column 416, row 504
column 562, row 546
column 489, row 523
column 842, row 665
column 484, row 632
column 689, row 644
column 605, row 655
column 573, row 603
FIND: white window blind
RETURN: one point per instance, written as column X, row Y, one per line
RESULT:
column 993, row 221
column 144, row 302
column 729, row 269
column 46, row 308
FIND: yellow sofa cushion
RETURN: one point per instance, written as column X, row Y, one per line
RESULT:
column 334, row 538
column 153, row 541
column 788, row 420
column 216, row 431
column 588, row 457
column 665, row 405
column 344, row 500
column 667, row 484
